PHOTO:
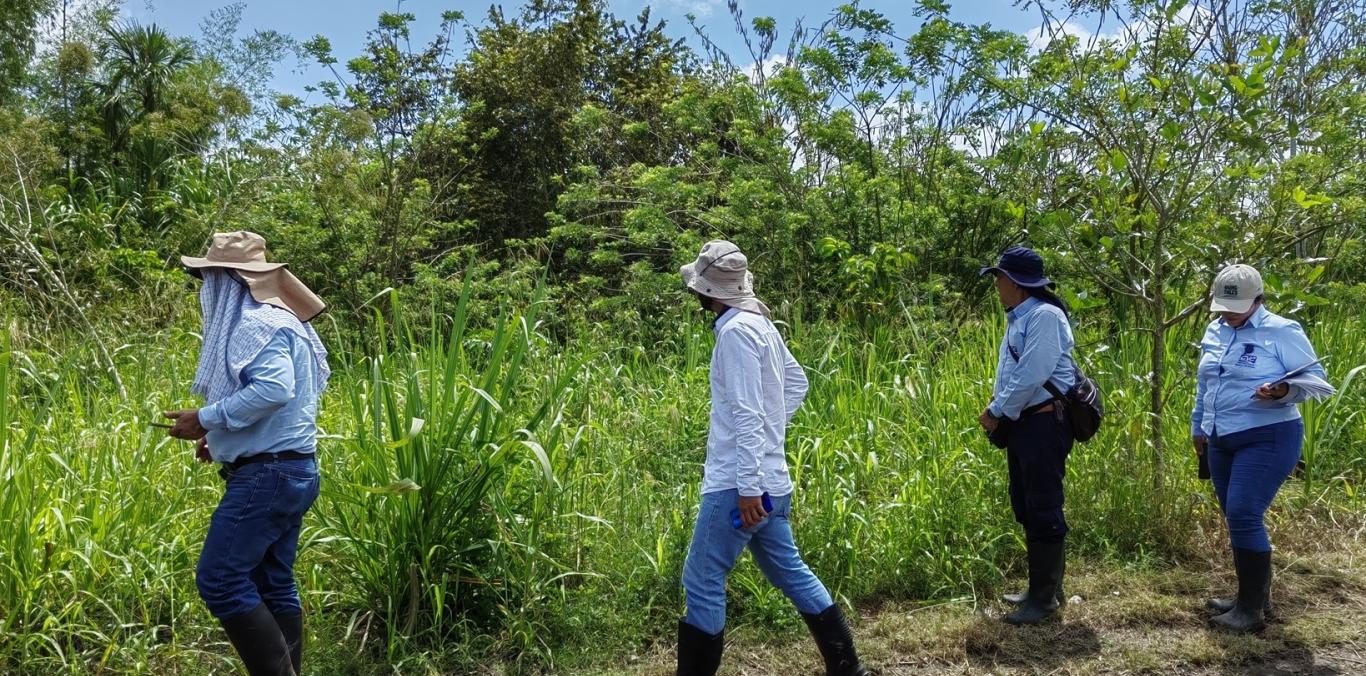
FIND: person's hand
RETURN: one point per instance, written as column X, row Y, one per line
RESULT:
column 1269, row 393
column 751, row 510
column 201, row 450
column 988, row 421
column 186, row 425
column 1201, row 444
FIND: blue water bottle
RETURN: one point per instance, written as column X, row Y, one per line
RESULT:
column 737, row 522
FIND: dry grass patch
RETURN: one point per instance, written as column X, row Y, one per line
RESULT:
column 1128, row 621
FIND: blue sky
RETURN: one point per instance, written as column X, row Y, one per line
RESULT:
column 345, row 22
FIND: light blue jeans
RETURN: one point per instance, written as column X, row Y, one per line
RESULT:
column 716, row 547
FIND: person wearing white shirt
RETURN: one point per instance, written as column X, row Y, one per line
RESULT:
column 756, row 388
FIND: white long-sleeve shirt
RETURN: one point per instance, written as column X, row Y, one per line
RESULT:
column 756, row 388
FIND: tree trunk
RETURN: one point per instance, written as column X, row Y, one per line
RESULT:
column 1156, row 383
column 1156, row 379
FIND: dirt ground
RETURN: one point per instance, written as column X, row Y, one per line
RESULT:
column 1119, row 621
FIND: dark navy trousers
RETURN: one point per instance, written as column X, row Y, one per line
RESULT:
column 1036, row 451
column 1247, row 469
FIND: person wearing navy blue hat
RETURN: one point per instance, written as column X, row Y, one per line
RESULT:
column 1026, row 419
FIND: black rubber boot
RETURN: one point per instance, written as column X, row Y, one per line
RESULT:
column 699, row 653
column 1254, row 573
column 1046, row 564
column 1021, row 597
column 259, row 643
column 1220, row 606
column 292, row 627
column 836, row 642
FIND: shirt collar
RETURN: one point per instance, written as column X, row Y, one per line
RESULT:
column 724, row 318
column 1255, row 321
column 1023, row 308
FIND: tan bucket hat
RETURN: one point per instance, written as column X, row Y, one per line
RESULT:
column 269, row 283
column 721, row 271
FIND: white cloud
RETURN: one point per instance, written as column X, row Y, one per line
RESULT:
column 1041, row 37
column 696, row 7
column 768, row 67
column 1192, row 16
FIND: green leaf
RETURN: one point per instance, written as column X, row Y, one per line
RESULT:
column 414, row 429
column 1309, row 200
column 400, row 487
column 1118, row 160
column 1171, row 130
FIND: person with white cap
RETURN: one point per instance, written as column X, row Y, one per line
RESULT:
column 1247, row 427
column 756, row 388
column 1027, row 417
column 261, row 371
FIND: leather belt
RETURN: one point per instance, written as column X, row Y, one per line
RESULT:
column 268, row 457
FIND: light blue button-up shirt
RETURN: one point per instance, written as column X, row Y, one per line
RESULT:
column 276, row 409
column 1235, row 362
column 1037, row 348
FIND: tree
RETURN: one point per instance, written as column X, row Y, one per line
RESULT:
column 17, row 41
column 1157, row 144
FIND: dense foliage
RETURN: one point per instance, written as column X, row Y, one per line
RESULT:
column 529, row 182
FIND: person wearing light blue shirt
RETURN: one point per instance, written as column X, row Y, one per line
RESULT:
column 1028, row 420
column 276, row 410
column 1247, row 428
column 261, row 370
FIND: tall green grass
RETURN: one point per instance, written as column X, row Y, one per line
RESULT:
column 490, row 494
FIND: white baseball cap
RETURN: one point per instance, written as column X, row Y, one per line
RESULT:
column 1235, row 289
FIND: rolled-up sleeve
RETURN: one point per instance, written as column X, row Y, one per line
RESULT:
column 738, row 360
column 268, row 384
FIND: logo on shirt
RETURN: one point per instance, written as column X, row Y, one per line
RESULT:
column 1247, row 359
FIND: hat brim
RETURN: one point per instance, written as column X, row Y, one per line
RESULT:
column 192, row 263
column 750, row 304
column 710, row 288
column 282, row 289
column 1231, row 305
column 1027, row 282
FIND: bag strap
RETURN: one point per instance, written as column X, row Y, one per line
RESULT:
column 1047, row 384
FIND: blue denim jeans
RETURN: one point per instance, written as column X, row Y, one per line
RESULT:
column 1247, row 469
column 716, row 547
column 248, row 556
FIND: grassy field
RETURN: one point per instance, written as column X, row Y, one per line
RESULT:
column 496, row 501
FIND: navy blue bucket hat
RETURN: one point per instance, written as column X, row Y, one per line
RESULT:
column 1022, row 265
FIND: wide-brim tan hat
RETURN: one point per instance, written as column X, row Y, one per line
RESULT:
column 269, row 283
column 721, row 271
